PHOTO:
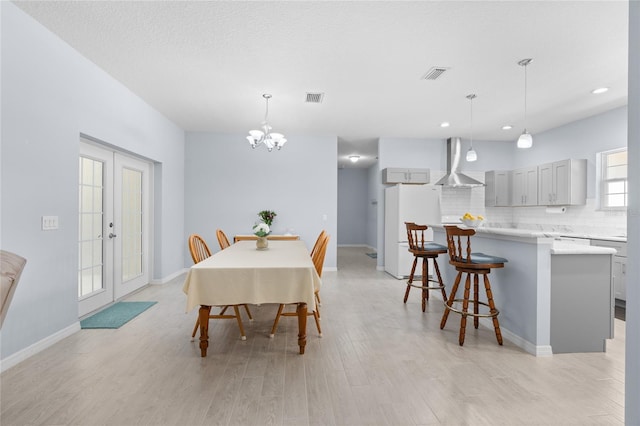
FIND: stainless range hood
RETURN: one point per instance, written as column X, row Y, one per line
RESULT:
column 454, row 177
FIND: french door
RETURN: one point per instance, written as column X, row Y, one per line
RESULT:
column 114, row 223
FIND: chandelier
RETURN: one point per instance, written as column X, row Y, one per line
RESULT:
column 265, row 136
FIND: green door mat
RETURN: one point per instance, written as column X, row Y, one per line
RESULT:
column 115, row 316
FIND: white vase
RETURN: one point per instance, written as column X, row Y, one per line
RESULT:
column 262, row 243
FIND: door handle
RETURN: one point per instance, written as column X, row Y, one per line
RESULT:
column 112, row 235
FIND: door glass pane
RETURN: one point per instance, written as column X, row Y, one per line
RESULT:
column 90, row 222
column 131, row 224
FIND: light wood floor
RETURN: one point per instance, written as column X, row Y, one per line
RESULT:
column 380, row 362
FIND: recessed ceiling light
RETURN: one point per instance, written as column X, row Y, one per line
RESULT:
column 354, row 158
column 599, row 90
column 445, row 124
column 507, row 127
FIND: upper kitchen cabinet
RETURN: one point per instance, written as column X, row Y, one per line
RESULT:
column 562, row 183
column 524, row 189
column 497, row 192
column 415, row 176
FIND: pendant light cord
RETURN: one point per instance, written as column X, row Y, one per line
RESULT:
column 525, row 96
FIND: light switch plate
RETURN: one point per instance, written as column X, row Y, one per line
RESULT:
column 49, row 223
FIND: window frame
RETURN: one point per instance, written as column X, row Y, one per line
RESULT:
column 603, row 181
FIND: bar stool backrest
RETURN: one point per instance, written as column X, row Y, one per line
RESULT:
column 459, row 252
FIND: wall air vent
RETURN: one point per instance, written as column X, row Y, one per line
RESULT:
column 435, row 73
column 314, row 98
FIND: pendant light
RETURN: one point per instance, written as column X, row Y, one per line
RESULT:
column 525, row 140
column 471, row 154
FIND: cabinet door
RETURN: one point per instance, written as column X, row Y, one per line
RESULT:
column 517, row 192
column 562, row 182
column 498, row 188
column 620, row 277
column 545, row 184
column 531, row 187
column 418, row 175
column 395, row 176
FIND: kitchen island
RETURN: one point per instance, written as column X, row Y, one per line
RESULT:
column 553, row 296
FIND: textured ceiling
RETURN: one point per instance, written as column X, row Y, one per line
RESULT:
column 205, row 65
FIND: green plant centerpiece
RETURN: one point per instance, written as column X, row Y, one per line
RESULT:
column 267, row 216
column 261, row 230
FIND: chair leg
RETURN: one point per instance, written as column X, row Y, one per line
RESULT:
column 425, row 282
column 476, row 319
column 318, row 302
column 440, row 282
column 223, row 310
column 237, row 311
column 246, row 308
column 275, row 322
column 449, row 302
column 465, row 308
column 492, row 309
column 413, row 270
column 317, row 318
column 195, row 329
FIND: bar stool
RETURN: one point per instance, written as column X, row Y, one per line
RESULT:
column 425, row 251
column 475, row 264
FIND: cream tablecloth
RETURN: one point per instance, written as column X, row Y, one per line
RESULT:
column 284, row 273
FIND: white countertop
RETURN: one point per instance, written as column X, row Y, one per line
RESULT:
column 557, row 246
column 567, row 247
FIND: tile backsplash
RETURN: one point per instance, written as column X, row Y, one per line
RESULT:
column 575, row 220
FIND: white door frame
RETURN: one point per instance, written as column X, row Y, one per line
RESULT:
column 114, row 287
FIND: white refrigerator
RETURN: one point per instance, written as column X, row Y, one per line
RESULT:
column 407, row 203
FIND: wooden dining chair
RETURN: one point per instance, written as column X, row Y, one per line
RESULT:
column 466, row 262
column 320, row 238
column 199, row 252
column 223, row 241
column 318, row 263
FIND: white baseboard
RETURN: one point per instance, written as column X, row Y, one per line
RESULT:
column 166, row 279
column 18, row 357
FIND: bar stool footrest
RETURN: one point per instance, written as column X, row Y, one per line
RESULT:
column 471, row 314
column 438, row 287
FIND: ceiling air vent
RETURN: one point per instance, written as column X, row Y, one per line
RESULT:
column 435, row 73
column 314, row 98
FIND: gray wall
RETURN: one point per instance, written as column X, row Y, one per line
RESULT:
column 353, row 203
column 227, row 183
column 50, row 95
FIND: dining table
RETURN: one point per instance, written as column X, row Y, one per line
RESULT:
column 283, row 273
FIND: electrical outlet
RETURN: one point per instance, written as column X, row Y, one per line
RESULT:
column 49, row 223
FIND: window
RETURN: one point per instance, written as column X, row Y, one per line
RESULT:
column 613, row 184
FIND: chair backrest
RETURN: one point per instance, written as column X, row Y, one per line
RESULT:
column 222, row 239
column 318, row 241
column 11, row 267
column 318, row 255
column 459, row 244
column 415, row 236
column 198, row 248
